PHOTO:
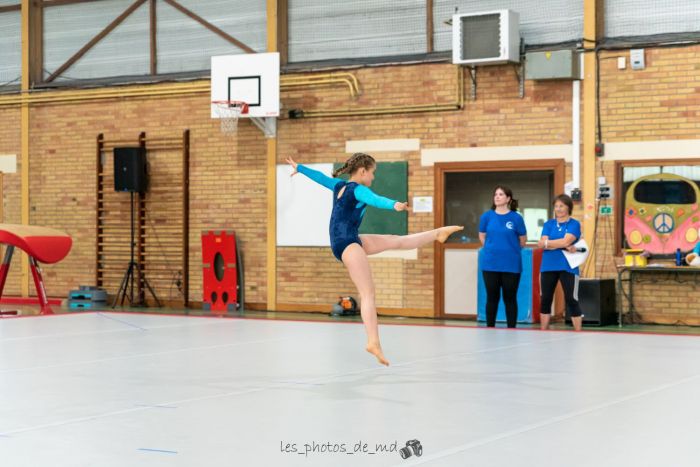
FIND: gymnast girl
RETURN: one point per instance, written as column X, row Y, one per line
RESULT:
column 350, row 200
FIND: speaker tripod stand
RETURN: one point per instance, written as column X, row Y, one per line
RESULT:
column 126, row 287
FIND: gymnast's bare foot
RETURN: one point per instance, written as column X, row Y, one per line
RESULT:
column 444, row 232
column 376, row 350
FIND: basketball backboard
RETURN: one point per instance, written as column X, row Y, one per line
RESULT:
column 250, row 78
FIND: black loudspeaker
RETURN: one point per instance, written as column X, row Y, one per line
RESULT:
column 597, row 300
column 130, row 172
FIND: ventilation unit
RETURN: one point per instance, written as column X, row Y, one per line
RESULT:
column 485, row 38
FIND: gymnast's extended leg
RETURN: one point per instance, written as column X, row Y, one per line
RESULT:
column 373, row 243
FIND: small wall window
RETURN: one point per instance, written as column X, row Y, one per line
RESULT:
column 664, row 192
column 469, row 194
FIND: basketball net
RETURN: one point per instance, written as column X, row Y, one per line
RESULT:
column 228, row 113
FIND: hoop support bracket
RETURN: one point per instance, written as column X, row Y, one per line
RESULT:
column 268, row 125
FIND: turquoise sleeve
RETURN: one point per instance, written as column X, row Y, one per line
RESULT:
column 318, row 177
column 367, row 196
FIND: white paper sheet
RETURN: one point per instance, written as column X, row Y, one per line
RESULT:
column 577, row 259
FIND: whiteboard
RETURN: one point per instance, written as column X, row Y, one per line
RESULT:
column 303, row 208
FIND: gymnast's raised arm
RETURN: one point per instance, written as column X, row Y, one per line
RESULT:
column 367, row 196
column 314, row 175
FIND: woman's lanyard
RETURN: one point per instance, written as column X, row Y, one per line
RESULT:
column 564, row 224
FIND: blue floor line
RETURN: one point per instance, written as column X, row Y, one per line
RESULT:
column 157, row 450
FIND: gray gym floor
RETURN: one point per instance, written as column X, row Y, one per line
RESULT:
column 117, row 389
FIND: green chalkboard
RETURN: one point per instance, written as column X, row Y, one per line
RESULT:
column 391, row 181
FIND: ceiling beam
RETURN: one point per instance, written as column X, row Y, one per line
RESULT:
column 48, row 3
column 153, row 36
column 209, row 26
column 36, row 43
column 283, row 30
column 4, row 9
column 95, row 40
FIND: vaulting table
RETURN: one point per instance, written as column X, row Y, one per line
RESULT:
column 42, row 244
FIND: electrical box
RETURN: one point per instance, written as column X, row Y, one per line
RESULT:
column 637, row 59
column 486, row 38
column 555, row 64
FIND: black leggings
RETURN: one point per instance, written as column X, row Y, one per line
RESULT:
column 569, row 282
column 495, row 281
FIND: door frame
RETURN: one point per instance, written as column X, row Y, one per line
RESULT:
column 440, row 170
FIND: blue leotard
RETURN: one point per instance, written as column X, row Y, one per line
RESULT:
column 348, row 210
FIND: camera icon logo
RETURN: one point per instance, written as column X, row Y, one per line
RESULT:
column 413, row 446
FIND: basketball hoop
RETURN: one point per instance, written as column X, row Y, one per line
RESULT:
column 229, row 112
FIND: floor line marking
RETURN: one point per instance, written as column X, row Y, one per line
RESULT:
column 155, row 406
column 151, row 354
column 121, row 321
column 547, row 422
column 108, row 331
column 258, row 389
column 157, row 450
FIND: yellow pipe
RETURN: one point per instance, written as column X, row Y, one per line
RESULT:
column 271, row 224
column 170, row 89
column 288, row 84
column 82, row 96
column 38, row 97
column 297, row 80
column 271, row 163
column 456, row 105
column 592, row 28
column 349, row 76
column 382, row 110
column 24, row 142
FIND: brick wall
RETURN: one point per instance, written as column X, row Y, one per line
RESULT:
column 497, row 118
column 661, row 102
column 10, row 144
column 228, row 187
column 227, row 179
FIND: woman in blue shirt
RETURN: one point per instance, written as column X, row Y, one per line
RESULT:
column 502, row 233
column 559, row 234
column 350, row 200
